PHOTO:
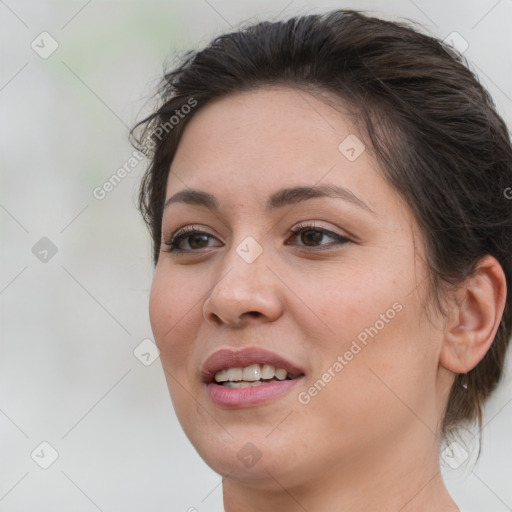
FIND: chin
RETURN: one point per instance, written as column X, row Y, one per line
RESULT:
column 248, row 456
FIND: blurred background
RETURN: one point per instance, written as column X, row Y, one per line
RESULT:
column 86, row 422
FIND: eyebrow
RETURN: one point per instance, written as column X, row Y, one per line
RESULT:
column 279, row 199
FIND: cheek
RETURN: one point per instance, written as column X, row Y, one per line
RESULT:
column 161, row 310
column 175, row 313
column 386, row 376
column 376, row 325
column 357, row 303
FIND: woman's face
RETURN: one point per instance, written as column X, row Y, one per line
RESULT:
column 340, row 305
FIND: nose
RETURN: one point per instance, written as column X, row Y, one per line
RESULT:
column 244, row 293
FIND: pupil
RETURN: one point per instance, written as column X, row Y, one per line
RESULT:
column 315, row 238
column 197, row 237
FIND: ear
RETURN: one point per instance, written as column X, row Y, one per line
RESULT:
column 474, row 317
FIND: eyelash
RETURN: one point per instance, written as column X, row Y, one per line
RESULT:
column 175, row 239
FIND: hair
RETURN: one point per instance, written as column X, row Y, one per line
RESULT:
column 432, row 127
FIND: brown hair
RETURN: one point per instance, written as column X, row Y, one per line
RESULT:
column 432, row 126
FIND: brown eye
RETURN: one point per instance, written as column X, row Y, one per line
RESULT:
column 195, row 239
column 311, row 236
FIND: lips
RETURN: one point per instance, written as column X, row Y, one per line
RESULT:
column 227, row 358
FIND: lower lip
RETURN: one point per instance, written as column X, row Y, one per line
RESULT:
column 233, row 398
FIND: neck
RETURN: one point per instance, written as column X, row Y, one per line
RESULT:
column 389, row 479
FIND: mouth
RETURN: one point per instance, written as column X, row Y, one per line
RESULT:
column 248, row 377
column 252, row 375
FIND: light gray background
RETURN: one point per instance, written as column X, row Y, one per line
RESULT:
column 68, row 326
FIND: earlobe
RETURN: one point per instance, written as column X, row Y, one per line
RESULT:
column 475, row 317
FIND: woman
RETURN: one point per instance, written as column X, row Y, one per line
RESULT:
column 332, row 241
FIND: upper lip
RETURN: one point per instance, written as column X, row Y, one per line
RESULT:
column 228, row 358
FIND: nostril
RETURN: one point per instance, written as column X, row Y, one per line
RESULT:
column 254, row 313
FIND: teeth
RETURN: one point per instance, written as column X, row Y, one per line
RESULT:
column 280, row 374
column 221, row 376
column 235, row 374
column 250, row 374
column 267, row 372
column 242, row 384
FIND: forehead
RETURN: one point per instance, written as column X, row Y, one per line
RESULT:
column 250, row 144
column 272, row 124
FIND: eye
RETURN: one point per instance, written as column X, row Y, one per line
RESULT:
column 311, row 236
column 196, row 239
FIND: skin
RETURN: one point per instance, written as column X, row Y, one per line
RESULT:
column 369, row 439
